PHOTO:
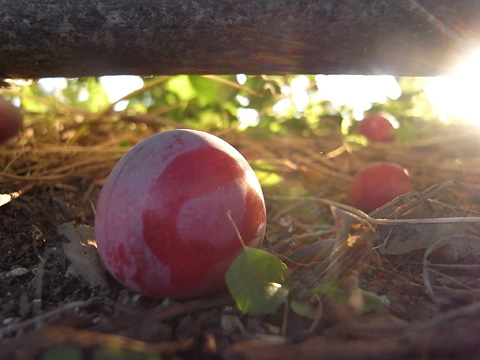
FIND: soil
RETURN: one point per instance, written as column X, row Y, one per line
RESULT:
column 430, row 291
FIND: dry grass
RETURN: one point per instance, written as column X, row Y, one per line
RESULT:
column 421, row 282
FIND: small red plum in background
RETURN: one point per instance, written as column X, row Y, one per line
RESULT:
column 167, row 218
column 377, row 184
column 377, row 127
column 11, row 121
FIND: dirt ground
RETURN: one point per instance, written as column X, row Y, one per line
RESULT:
column 427, row 275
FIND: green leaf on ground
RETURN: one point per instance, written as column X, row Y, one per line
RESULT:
column 258, row 281
column 303, row 308
column 338, row 296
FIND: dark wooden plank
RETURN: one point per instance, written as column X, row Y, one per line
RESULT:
column 42, row 38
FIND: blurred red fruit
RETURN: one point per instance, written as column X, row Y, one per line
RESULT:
column 377, row 184
column 11, row 121
column 377, row 128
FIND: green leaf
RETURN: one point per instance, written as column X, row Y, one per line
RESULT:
column 372, row 302
column 258, row 281
column 339, row 296
column 182, row 87
column 303, row 308
column 97, row 97
column 211, row 92
column 332, row 291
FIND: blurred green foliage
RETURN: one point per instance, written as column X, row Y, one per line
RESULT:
column 250, row 103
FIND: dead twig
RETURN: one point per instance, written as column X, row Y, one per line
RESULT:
column 362, row 215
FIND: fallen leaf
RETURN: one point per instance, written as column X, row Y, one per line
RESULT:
column 80, row 248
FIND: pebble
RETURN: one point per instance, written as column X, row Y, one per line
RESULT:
column 19, row 271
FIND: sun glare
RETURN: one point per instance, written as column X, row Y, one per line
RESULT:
column 118, row 86
column 456, row 96
column 247, row 117
column 453, row 97
column 358, row 91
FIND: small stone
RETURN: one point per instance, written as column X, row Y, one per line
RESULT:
column 19, row 271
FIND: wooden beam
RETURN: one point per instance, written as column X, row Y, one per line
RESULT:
column 43, row 38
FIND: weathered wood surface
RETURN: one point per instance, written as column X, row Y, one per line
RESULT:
column 42, row 38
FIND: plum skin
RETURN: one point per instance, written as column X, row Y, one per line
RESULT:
column 11, row 121
column 163, row 223
column 377, row 128
column 377, row 184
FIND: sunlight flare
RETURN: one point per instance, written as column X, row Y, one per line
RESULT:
column 456, row 96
